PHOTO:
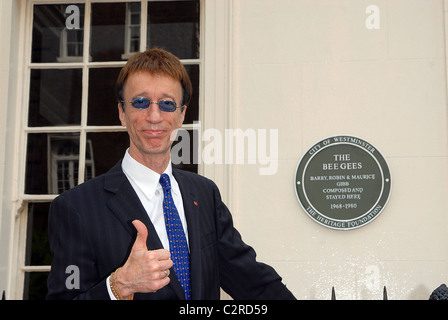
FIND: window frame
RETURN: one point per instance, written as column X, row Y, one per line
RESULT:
column 18, row 268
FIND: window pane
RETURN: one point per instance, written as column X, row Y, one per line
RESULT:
column 174, row 26
column 37, row 245
column 193, row 109
column 106, row 148
column 35, row 287
column 112, row 36
column 52, row 40
column 184, row 152
column 102, row 99
column 55, row 97
column 51, row 162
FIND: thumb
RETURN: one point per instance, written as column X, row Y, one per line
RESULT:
column 142, row 234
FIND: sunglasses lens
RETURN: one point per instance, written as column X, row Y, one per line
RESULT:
column 140, row 103
column 164, row 105
column 167, row 105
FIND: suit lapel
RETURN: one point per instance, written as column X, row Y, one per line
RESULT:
column 191, row 208
column 126, row 207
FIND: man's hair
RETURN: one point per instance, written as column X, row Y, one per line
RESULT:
column 157, row 62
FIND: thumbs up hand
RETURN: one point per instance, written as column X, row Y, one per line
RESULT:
column 142, row 235
column 144, row 271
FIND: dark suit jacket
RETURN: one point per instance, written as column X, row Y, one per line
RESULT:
column 90, row 228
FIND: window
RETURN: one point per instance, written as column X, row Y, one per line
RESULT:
column 72, row 128
column 132, row 35
column 63, row 155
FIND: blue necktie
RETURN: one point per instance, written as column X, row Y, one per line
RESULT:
column 178, row 241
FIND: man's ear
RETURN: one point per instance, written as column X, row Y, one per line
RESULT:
column 121, row 114
column 183, row 112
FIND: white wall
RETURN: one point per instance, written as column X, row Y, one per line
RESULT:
column 312, row 70
column 9, row 30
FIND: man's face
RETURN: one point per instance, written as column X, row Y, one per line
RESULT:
column 150, row 129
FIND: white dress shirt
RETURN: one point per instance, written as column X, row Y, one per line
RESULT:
column 146, row 184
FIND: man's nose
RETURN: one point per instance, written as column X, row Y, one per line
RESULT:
column 153, row 113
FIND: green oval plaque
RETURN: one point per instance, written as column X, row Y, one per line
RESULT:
column 343, row 182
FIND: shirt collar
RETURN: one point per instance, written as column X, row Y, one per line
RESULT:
column 145, row 178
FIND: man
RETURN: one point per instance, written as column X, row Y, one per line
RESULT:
column 144, row 230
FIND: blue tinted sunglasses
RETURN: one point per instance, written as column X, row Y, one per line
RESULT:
column 143, row 103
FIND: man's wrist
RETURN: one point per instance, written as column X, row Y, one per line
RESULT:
column 118, row 291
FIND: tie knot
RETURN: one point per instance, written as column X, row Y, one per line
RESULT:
column 165, row 182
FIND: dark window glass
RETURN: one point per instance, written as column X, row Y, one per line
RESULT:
column 193, row 109
column 35, row 287
column 174, row 26
column 115, row 31
column 103, row 103
column 52, row 40
column 107, row 149
column 37, row 244
column 55, row 97
column 52, row 162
